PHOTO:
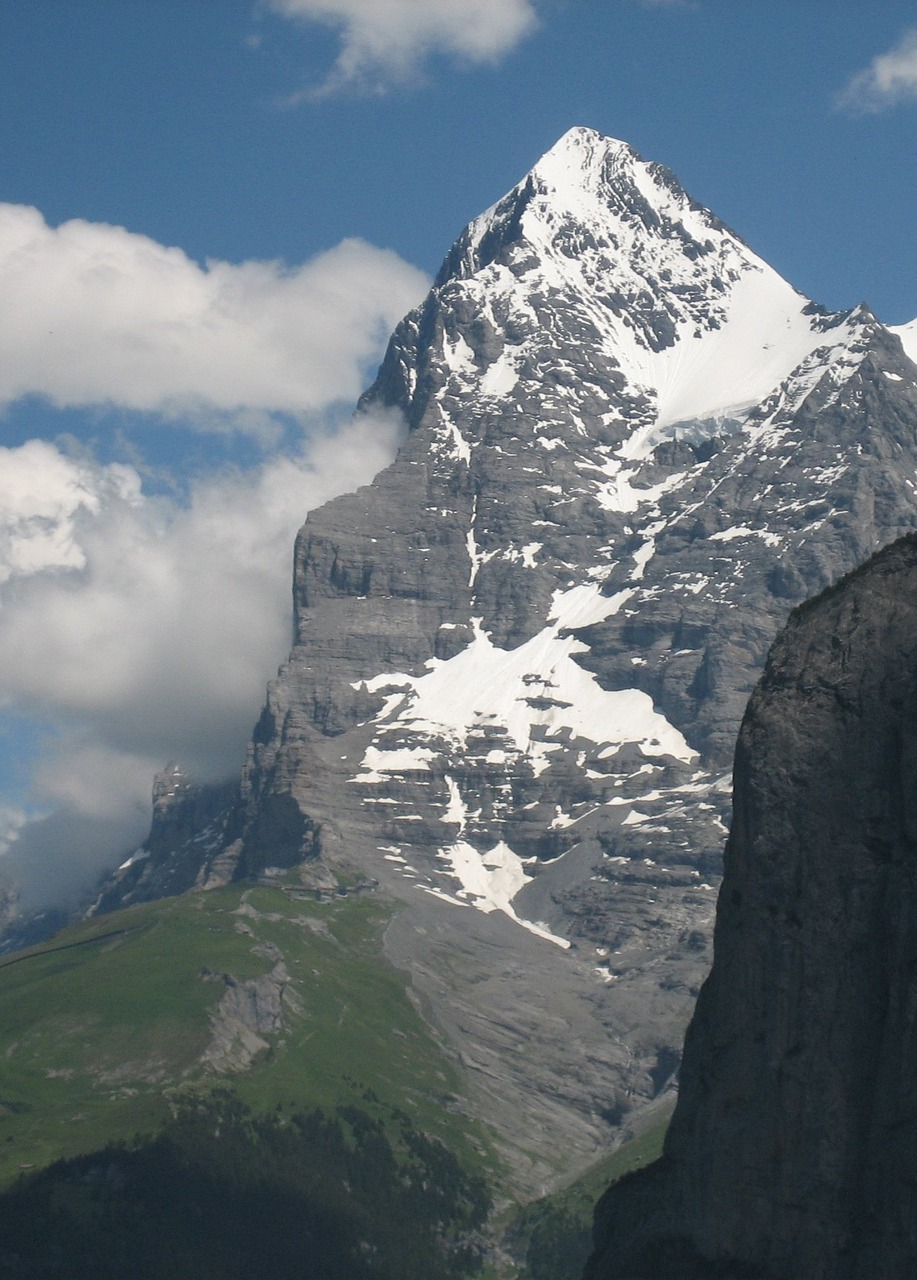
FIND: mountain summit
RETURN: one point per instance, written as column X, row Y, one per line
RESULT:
column 522, row 654
column 697, row 325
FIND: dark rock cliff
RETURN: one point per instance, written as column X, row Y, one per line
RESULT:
column 188, row 824
column 793, row 1151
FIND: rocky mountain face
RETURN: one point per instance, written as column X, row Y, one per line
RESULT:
column 522, row 654
column 793, row 1151
column 188, row 826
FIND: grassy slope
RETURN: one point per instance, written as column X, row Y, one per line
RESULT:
column 103, row 1027
column 104, row 1024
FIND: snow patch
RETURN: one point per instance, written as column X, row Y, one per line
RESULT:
column 537, row 693
column 617, row 493
column 908, row 335
column 137, row 856
column 378, row 766
column 743, row 531
column 500, row 377
column 489, row 880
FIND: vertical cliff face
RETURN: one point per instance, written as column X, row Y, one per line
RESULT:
column 793, row 1151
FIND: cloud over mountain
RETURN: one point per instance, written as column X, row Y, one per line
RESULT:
column 134, row 625
column 136, row 629
column 95, row 314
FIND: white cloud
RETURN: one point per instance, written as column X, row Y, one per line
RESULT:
column 144, row 630
column 12, row 820
column 96, row 315
column 42, row 494
column 137, row 628
column 890, row 78
column 385, row 41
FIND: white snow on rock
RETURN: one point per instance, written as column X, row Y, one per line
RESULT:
column 908, row 335
column 537, row 693
column 624, row 246
column 603, row 314
column 738, row 328
column 489, row 880
column 377, row 764
column 743, row 531
column 539, row 697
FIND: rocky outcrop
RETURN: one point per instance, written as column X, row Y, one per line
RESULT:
column 188, row 827
column 792, row 1154
column 249, row 1012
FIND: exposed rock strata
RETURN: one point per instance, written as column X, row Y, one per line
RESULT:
column 793, row 1151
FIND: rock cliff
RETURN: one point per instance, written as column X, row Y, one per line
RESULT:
column 792, row 1154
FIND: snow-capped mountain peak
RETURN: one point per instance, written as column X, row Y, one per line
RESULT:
column 908, row 335
column 686, row 322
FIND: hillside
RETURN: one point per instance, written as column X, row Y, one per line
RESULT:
column 110, row 1025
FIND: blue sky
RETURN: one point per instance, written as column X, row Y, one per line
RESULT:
column 163, row 116
column 212, row 214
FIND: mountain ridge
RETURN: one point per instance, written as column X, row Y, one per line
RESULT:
column 666, row 286
column 522, row 654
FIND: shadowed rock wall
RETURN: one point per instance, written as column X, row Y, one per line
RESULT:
column 793, row 1150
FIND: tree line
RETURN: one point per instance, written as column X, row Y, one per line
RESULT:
column 222, row 1193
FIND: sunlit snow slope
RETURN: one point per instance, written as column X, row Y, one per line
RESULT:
column 693, row 319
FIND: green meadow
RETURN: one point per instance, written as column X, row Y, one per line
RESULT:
column 106, row 1039
column 103, row 1028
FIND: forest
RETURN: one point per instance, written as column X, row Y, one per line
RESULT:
column 224, row 1194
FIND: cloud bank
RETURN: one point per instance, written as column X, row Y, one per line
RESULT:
column 94, row 314
column 137, row 627
column 890, row 79
column 142, row 631
column 42, row 496
column 388, row 41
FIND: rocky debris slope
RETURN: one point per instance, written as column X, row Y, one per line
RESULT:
column 521, row 655
column 793, row 1151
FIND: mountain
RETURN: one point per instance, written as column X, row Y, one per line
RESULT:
column 522, row 654
column 791, row 1154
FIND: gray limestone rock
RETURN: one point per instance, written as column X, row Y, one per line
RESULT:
column 248, row 1012
column 188, row 828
